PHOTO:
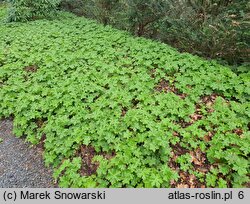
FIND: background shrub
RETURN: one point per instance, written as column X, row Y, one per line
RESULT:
column 24, row 10
column 211, row 28
column 74, row 6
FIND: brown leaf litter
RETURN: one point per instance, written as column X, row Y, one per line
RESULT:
column 31, row 68
column 87, row 154
column 166, row 86
column 199, row 162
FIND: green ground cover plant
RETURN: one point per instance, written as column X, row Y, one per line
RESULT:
column 113, row 110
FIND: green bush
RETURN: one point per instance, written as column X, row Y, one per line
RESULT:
column 105, row 11
column 31, row 9
column 74, row 6
column 213, row 29
column 144, row 15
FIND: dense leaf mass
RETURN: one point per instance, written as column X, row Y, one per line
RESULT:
column 112, row 110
